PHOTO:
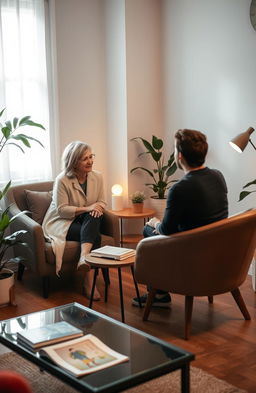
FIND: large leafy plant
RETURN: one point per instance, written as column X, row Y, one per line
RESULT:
column 9, row 135
column 163, row 171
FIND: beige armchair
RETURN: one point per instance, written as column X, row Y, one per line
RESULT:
column 205, row 261
column 39, row 257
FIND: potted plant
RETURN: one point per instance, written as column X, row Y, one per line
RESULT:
column 137, row 199
column 9, row 136
column 160, row 175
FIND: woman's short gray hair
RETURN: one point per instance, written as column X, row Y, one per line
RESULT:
column 71, row 155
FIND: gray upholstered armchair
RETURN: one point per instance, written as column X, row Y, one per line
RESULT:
column 39, row 257
column 205, row 261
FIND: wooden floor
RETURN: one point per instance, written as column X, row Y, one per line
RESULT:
column 223, row 342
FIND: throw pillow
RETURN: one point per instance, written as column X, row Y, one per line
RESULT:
column 38, row 203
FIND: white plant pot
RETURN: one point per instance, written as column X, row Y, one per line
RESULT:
column 7, row 288
column 159, row 206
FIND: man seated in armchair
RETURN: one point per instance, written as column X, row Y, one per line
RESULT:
column 198, row 198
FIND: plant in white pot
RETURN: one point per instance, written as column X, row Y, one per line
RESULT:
column 10, row 136
column 161, row 174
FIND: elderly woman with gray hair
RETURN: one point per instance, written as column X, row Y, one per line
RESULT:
column 77, row 206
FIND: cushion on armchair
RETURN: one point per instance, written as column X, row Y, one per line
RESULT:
column 38, row 203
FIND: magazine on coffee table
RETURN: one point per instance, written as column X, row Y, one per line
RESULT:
column 112, row 252
column 83, row 355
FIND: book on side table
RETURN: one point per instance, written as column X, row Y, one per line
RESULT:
column 49, row 334
column 83, row 355
column 112, row 252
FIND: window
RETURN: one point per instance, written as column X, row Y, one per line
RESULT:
column 24, row 87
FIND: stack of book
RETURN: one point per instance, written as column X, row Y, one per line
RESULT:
column 118, row 253
column 48, row 334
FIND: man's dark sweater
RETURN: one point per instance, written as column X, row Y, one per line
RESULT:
column 199, row 198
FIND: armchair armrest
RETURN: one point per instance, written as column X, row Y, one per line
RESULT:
column 34, row 254
column 110, row 226
column 153, row 265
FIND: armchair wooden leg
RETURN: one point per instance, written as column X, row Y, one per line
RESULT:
column 12, row 296
column 241, row 304
column 21, row 269
column 46, row 285
column 151, row 295
column 188, row 315
column 210, row 299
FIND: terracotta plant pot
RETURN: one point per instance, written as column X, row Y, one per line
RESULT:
column 6, row 287
column 137, row 207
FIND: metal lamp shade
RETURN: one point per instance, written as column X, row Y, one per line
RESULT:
column 240, row 142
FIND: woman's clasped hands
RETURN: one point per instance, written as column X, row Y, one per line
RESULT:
column 96, row 210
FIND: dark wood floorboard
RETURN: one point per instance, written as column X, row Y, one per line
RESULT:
column 223, row 342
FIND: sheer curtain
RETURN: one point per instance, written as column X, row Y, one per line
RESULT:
column 23, row 87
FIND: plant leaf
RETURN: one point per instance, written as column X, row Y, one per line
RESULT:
column 250, row 184
column 6, row 132
column 4, row 222
column 6, row 188
column 171, row 159
column 156, row 155
column 244, row 194
column 15, row 122
column 32, row 123
column 22, row 138
column 144, row 169
column 171, row 170
column 147, row 145
column 157, row 143
column 24, row 120
column 15, row 144
column 2, row 111
column 162, row 184
column 8, row 124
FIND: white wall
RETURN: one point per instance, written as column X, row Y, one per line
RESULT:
column 81, row 65
column 109, row 81
column 210, row 79
column 137, row 67
column 116, row 110
column 144, row 83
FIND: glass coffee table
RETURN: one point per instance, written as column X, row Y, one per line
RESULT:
column 149, row 357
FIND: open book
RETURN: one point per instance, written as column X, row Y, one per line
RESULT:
column 111, row 252
column 83, row 355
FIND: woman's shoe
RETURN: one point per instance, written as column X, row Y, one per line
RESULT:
column 83, row 266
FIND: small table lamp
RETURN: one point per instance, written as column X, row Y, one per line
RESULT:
column 117, row 197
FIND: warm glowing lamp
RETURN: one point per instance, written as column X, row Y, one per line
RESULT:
column 240, row 142
column 117, row 197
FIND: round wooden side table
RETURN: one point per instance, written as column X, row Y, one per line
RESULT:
column 129, row 214
column 98, row 263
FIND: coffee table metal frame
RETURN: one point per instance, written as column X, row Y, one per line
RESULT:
column 179, row 359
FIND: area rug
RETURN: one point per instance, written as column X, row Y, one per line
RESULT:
column 41, row 382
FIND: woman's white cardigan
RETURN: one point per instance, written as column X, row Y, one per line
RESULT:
column 67, row 196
